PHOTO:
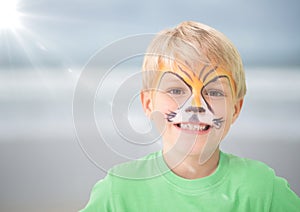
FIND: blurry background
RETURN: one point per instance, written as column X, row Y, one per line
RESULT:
column 45, row 44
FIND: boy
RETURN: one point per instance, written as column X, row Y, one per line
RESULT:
column 193, row 91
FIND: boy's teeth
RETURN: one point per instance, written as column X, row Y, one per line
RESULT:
column 194, row 127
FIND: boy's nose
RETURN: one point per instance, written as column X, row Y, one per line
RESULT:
column 195, row 109
column 196, row 101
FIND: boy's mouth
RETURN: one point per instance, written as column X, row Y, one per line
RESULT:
column 193, row 127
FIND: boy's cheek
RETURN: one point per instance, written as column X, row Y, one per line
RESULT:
column 165, row 104
column 159, row 121
column 221, row 108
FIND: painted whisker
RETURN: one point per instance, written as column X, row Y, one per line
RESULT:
column 170, row 116
column 218, row 122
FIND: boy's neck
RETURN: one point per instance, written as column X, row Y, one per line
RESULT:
column 190, row 168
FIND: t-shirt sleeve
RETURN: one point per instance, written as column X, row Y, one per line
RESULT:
column 100, row 198
column 284, row 199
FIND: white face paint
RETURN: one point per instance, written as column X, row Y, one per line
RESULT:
column 194, row 115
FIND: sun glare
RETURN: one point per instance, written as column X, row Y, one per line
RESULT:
column 9, row 16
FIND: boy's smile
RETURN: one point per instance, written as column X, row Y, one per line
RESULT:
column 196, row 128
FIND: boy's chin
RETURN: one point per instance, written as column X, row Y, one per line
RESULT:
column 187, row 147
column 191, row 145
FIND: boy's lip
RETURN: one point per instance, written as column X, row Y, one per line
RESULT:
column 193, row 128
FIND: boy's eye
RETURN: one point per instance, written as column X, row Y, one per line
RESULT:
column 176, row 91
column 214, row 93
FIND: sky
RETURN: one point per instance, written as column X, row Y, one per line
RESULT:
column 55, row 33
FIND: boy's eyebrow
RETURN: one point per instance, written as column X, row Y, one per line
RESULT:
column 219, row 80
column 173, row 79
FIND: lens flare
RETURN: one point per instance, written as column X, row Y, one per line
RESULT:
column 9, row 15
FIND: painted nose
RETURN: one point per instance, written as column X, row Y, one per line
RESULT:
column 195, row 109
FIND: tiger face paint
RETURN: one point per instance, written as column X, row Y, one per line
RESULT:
column 193, row 93
column 197, row 107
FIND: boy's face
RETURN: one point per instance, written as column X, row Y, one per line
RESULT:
column 197, row 109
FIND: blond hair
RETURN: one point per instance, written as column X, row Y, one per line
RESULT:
column 194, row 44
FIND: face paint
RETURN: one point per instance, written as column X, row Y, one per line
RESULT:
column 199, row 98
column 192, row 93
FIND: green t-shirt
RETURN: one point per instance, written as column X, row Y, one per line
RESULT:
column 148, row 185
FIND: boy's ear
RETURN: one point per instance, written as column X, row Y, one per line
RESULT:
column 146, row 99
column 237, row 109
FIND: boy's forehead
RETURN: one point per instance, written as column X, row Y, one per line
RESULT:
column 203, row 71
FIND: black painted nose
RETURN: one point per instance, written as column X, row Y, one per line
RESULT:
column 195, row 109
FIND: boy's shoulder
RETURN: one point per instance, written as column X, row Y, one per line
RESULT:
column 249, row 164
column 256, row 179
column 250, row 176
column 252, row 169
